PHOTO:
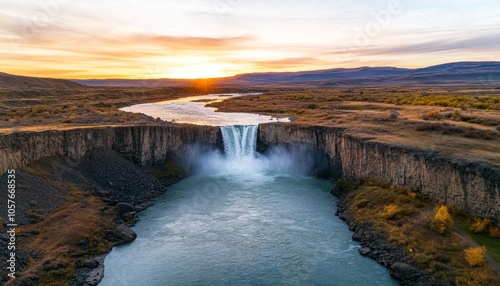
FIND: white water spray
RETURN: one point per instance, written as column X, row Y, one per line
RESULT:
column 240, row 155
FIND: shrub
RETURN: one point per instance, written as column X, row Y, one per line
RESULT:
column 433, row 115
column 456, row 115
column 344, row 186
column 407, row 210
column 475, row 255
column 428, row 127
column 363, row 204
column 442, row 220
column 494, row 231
column 390, row 211
column 40, row 108
column 479, row 225
column 478, row 134
column 333, row 98
column 452, row 129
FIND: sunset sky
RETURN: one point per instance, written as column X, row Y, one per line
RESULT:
column 195, row 38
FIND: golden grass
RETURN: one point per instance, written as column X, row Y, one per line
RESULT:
column 51, row 108
column 59, row 234
column 364, row 112
column 453, row 130
column 440, row 255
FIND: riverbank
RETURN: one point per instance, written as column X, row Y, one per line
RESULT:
column 402, row 240
column 72, row 211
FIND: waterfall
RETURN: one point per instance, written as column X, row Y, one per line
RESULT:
column 239, row 140
column 240, row 155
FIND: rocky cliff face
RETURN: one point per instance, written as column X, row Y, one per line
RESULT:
column 143, row 145
column 472, row 186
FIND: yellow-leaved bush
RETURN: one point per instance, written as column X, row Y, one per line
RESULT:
column 390, row 211
column 475, row 255
column 479, row 225
column 442, row 221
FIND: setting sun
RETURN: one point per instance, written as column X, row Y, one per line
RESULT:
column 197, row 71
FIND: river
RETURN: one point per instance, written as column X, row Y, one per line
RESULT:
column 244, row 218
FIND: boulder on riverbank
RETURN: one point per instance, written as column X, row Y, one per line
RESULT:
column 90, row 273
column 124, row 233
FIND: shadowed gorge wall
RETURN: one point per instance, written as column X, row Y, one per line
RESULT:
column 472, row 186
column 143, row 145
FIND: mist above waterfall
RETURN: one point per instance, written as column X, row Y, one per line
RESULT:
column 240, row 155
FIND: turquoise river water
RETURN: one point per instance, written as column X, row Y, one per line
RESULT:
column 243, row 219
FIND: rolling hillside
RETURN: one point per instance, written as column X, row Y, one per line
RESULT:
column 484, row 74
column 16, row 81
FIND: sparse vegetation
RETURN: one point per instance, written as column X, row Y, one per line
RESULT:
column 494, row 232
column 442, row 221
column 442, row 255
column 83, row 106
column 488, row 238
column 459, row 101
column 390, row 211
column 58, row 239
column 433, row 115
column 456, row 115
column 361, row 110
column 449, row 129
column 369, row 115
column 479, row 225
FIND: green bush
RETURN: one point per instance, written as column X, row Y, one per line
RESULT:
column 344, row 186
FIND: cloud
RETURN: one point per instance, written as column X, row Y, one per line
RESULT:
column 137, row 44
column 287, row 63
column 479, row 43
column 116, row 56
column 189, row 43
column 96, row 38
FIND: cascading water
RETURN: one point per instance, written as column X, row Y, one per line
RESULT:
column 239, row 140
column 240, row 155
column 242, row 219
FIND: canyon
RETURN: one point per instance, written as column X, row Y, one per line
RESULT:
column 468, row 185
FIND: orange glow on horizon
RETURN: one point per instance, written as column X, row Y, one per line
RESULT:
column 188, row 40
column 196, row 71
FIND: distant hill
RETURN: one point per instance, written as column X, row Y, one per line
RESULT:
column 135, row 82
column 460, row 73
column 486, row 74
column 319, row 75
column 9, row 80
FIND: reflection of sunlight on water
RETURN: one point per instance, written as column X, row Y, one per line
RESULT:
column 193, row 110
